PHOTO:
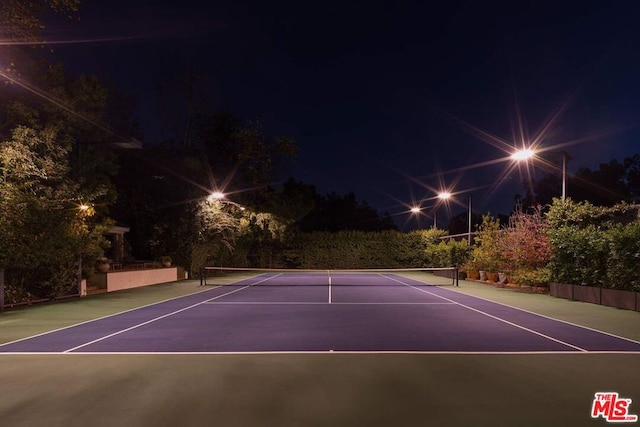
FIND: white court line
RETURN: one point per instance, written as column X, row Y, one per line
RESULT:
column 321, row 303
column 107, row 316
column 329, row 276
column 494, row 317
column 553, row 318
column 166, row 315
column 282, row 352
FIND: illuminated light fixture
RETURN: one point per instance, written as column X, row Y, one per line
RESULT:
column 216, row 195
column 444, row 195
column 415, row 210
column 84, row 207
column 522, row 154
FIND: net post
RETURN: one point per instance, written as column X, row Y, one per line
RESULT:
column 457, row 277
column 202, row 279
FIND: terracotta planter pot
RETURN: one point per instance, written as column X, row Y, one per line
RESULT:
column 103, row 267
column 473, row 274
column 492, row 277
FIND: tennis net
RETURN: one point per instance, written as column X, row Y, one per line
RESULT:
column 215, row 276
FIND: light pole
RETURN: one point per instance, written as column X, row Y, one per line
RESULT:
column 526, row 154
column 564, row 174
column 446, row 195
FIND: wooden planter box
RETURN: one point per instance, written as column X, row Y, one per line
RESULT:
column 620, row 299
column 561, row 290
column 627, row 300
column 586, row 294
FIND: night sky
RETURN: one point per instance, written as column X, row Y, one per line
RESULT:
column 391, row 100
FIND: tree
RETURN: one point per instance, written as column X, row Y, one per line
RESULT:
column 244, row 153
column 604, row 186
column 459, row 224
column 293, row 200
column 487, row 254
column 607, row 185
column 336, row 213
column 162, row 188
column 632, row 176
column 54, row 191
column 21, row 19
column 43, row 231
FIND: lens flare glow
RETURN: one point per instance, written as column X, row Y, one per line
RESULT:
column 524, row 154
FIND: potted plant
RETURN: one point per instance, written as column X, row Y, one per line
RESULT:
column 165, row 261
column 472, row 270
column 102, row 264
column 487, row 250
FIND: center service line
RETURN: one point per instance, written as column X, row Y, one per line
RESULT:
column 329, row 277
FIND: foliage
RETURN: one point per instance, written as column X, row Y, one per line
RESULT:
column 447, row 253
column 43, row 233
column 169, row 183
column 524, row 242
column 594, row 245
column 459, row 224
column 624, row 257
column 355, row 249
column 413, row 245
column 609, row 184
column 20, row 19
column 532, row 276
column 292, row 201
column 487, row 253
column 337, row 213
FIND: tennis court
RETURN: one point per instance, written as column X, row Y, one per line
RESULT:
column 318, row 349
column 324, row 311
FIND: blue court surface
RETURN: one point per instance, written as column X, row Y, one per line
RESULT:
column 324, row 312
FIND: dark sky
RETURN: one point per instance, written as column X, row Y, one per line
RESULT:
column 387, row 98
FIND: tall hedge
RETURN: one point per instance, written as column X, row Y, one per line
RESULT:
column 594, row 245
column 357, row 249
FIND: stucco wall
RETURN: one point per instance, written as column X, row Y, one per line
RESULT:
column 118, row 280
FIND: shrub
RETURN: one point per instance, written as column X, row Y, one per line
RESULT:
column 487, row 254
column 532, row 277
column 524, row 243
column 593, row 245
column 623, row 257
